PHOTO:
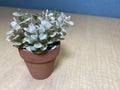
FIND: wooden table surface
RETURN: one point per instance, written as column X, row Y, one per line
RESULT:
column 89, row 58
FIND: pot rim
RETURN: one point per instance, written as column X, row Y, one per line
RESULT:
column 45, row 57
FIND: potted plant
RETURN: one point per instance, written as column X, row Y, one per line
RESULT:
column 37, row 37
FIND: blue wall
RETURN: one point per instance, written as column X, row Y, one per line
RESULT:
column 110, row 8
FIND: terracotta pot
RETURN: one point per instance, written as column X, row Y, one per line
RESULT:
column 40, row 65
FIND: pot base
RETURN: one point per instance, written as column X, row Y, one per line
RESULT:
column 40, row 71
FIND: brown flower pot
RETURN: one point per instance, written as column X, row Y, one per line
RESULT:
column 40, row 65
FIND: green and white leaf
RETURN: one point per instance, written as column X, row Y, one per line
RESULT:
column 70, row 22
column 65, row 31
column 53, row 35
column 28, row 48
column 17, row 43
column 34, row 37
column 15, row 25
column 38, row 45
column 50, row 42
column 42, row 36
column 26, row 40
column 46, row 24
column 18, row 14
column 41, row 29
column 8, row 39
column 50, row 14
column 40, row 18
column 32, row 48
column 53, row 47
column 44, row 48
column 26, row 20
column 9, row 32
column 31, row 28
column 16, row 37
column 26, row 34
column 60, row 19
